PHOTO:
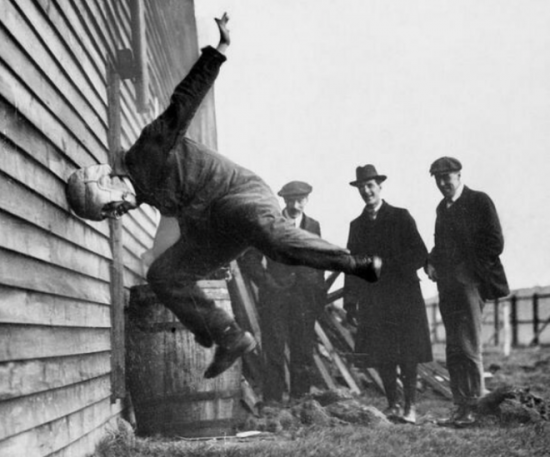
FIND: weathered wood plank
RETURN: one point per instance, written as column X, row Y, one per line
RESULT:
column 27, row 137
column 18, row 306
column 429, row 374
column 27, row 273
column 336, row 358
column 65, row 55
column 85, row 428
column 92, row 38
column 28, row 377
column 109, row 46
column 40, row 213
column 66, row 23
column 243, row 303
column 23, row 343
column 323, row 370
column 40, row 73
column 32, row 411
column 40, row 244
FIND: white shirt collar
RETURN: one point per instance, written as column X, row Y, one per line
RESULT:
column 297, row 221
column 375, row 209
column 458, row 193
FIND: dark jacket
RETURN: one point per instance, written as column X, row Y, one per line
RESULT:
column 468, row 243
column 391, row 314
column 276, row 280
column 185, row 179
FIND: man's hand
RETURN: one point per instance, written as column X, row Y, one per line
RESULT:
column 225, row 39
column 430, row 271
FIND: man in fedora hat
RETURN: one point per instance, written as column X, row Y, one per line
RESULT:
column 466, row 266
column 392, row 326
column 221, row 208
column 290, row 301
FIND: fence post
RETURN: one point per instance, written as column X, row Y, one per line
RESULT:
column 514, row 319
column 506, row 343
column 496, row 322
column 536, row 320
column 435, row 323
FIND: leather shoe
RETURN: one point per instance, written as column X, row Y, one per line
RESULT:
column 393, row 412
column 227, row 354
column 466, row 419
column 204, row 340
column 409, row 416
column 450, row 421
column 367, row 267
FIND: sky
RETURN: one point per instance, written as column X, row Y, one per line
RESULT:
column 314, row 88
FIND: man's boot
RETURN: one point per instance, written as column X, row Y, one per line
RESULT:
column 232, row 343
column 367, row 267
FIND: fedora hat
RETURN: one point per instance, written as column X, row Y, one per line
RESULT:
column 366, row 173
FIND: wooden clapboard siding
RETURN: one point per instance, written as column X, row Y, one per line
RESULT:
column 28, row 377
column 27, row 273
column 22, row 342
column 43, row 81
column 68, row 436
column 42, row 245
column 56, row 315
column 20, row 306
column 34, row 410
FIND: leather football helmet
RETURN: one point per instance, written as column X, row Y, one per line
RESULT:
column 88, row 194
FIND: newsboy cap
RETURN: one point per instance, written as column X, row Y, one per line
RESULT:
column 445, row 165
column 295, row 189
column 366, row 173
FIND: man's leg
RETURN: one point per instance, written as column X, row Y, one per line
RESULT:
column 254, row 214
column 409, row 375
column 461, row 308
column 173, row 278
column 301, row 317
column 274, row 333
column 388, row 374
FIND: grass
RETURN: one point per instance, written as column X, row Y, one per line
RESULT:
column 524, row 368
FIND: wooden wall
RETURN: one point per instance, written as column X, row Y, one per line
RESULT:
column 56, row 383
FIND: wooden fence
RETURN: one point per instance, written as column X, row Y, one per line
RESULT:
column 517, row 320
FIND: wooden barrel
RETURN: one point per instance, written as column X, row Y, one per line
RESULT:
column 165, row 368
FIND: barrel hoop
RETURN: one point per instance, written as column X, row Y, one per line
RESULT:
column 192, row 397
column 202, row 424
column 158, row 327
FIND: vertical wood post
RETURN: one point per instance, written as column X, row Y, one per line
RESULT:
column 506, row 330
column 139, row 47
column 435, row 324
column 117, row 266
column 536, row 320
column 514, row 319
column 496, row 323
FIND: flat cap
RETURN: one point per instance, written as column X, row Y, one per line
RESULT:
column 445, row 165
column 294, row 189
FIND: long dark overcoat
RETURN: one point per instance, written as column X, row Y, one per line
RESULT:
column 391, row 314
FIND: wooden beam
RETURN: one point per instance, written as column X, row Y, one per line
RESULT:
column 336, row 358
column 323, row 371
column 117, row 248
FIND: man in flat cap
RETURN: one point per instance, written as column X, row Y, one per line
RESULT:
column 465, row 264
column 290, row 300
column 392, row 326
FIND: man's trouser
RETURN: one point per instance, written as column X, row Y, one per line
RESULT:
column 461, row 308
